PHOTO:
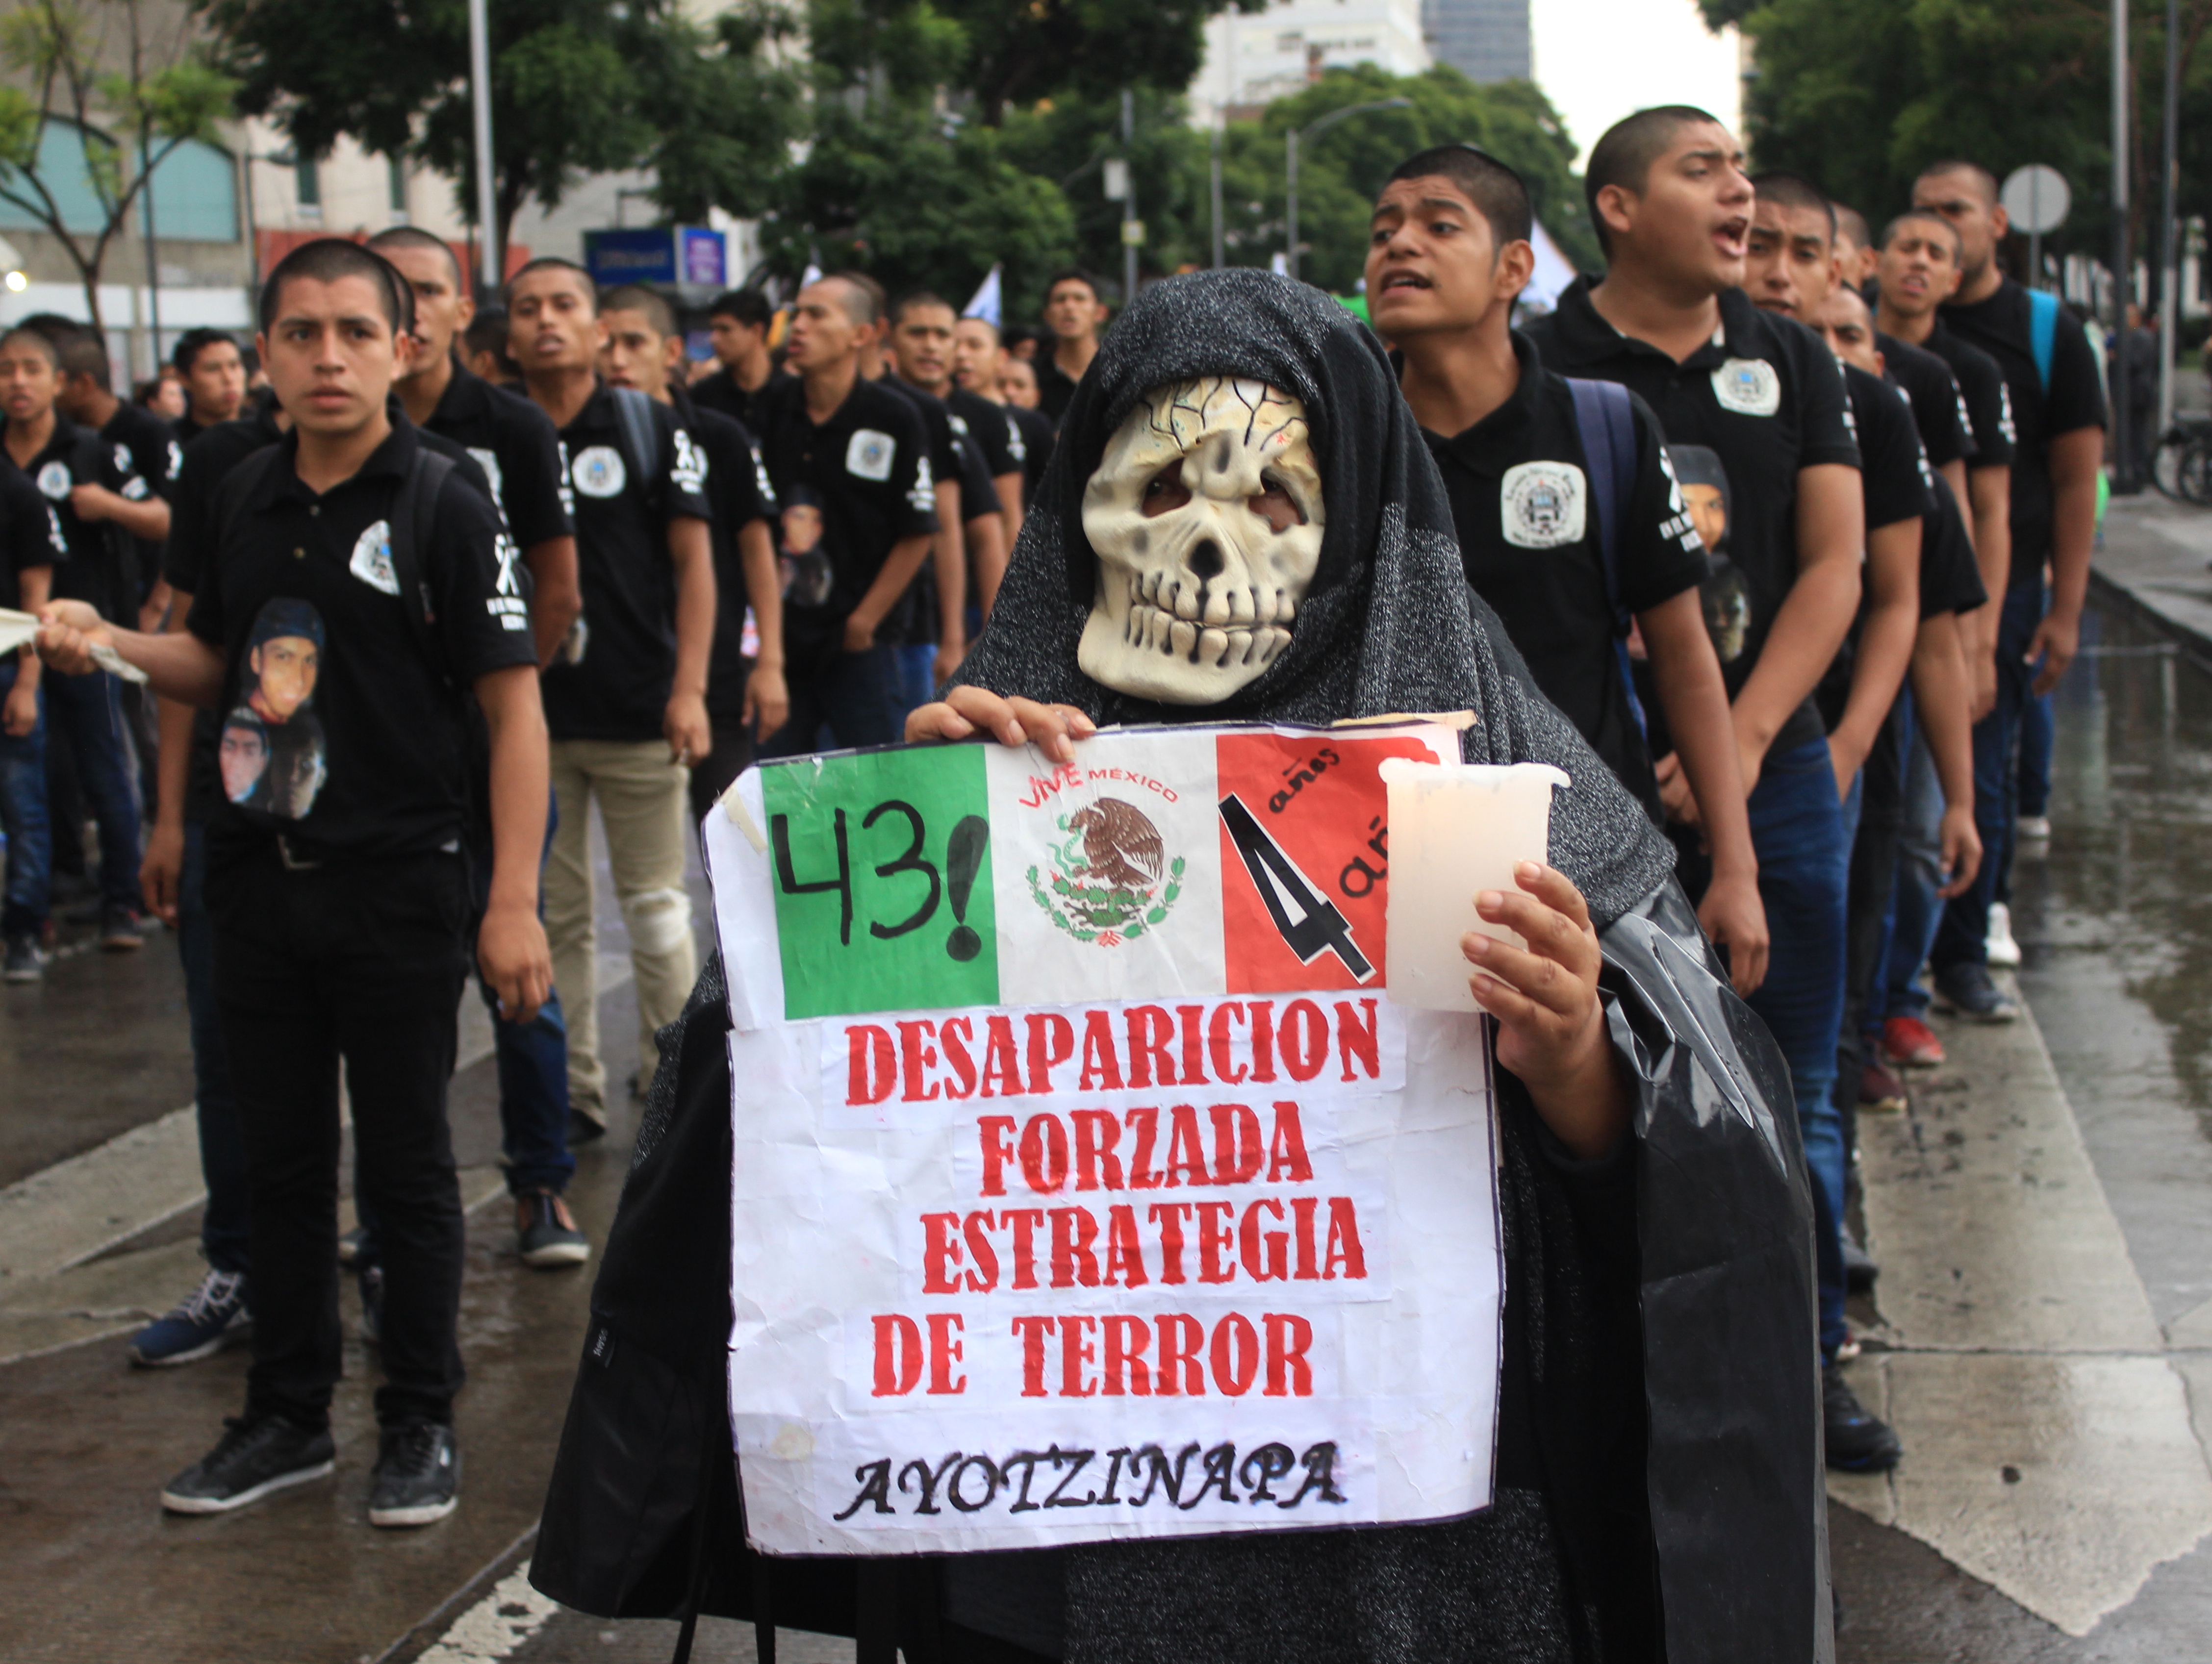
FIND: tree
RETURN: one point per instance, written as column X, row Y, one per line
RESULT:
column 1862, row 94
column 161, row 96
column 578, row 87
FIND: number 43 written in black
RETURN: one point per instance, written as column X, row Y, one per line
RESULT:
column 963, row 860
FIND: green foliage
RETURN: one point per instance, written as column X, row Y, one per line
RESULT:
column 1862, row 94
column 1021, row 51
column 913, row 200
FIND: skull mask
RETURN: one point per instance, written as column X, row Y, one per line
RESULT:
column 1205, row 516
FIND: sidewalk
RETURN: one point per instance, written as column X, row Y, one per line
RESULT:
column 2157, row 563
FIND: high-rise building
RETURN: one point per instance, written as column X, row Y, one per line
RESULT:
column 1483, row 40
column 1253, row 58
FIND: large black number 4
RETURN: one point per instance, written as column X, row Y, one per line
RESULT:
column 1308, row 920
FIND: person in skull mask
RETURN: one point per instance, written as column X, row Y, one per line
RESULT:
column 1241, row 523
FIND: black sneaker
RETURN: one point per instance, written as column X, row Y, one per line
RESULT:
column 257, row 1455
column 585, row 1128
column 371, row 1278
column 548, row 1232
column 418, row 1475
column 1967, row 990
column 1860, row 1270
column 1858, row 1442
column 120, row 931
column 26, row 960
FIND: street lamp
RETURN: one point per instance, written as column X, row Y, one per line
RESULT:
column 1290, row 141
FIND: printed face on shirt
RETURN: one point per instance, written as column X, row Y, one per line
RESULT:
column 283, row 668
column 297, row 768
column 243, row 756
column 802, row 528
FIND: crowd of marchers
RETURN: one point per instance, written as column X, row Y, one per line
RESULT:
column 1789, row 511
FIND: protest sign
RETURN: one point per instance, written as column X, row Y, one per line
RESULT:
column 1087, row 1183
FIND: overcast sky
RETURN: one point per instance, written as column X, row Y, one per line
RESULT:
column 1599, row 60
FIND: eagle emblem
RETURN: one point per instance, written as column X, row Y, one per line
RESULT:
column 1112, row 879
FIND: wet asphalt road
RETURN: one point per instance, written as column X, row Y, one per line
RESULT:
column 2115, row 920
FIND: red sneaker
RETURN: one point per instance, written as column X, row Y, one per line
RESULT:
column 1910, row 1044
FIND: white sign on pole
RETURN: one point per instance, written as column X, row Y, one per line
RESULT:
column 2035, row 198
column 1087, row 1183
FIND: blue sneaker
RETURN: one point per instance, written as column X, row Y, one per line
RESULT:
column 212, row 1316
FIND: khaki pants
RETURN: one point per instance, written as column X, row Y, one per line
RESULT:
column 644, row 807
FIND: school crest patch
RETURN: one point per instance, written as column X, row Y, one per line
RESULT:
column 1543, row 504
column 599, row 471
column 1748, row 387
column 372, row 559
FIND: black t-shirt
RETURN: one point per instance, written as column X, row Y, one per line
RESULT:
column 1897, row 484
column 148, row 448
column 1939, row 409
column 720, row 391
column 620, row 689
column 1037, row 436
column 1950, row 578
column 2002, row 327
column 954, row 452
column 195, row 529
column 30, row 536
column 338, row 729
column 991, row 428
column 1530, row 537
column 1055, row 387
column 103, row 564
column 737, row 487
column 1761, row 400
column 513, row 442
column 1989, row 401
column 848, row 490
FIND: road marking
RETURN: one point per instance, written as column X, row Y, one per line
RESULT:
column 496, row 1626
column 2019, row 1359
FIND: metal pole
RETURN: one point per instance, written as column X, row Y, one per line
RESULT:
column 1291, row 202
column 153, row 266
column 2169, row 264
column 1219, row 261
column 2123, row 458
column 1129, row 202
column 480, row 97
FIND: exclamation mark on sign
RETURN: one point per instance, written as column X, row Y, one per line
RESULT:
column 963, row 859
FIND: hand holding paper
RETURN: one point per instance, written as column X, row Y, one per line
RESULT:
column 73, row 640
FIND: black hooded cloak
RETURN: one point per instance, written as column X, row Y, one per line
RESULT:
column 1659, row 1487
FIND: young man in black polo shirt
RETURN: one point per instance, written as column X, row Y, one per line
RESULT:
column 924, row 343
column 979, row 360
column 87, row 398
column 2058, row 410
column 102, row 505
column 1447, row 255
column 645, row 350
column 627, row 703
column 1671, row 322
column 1073, row 315
column 738, row 323
column 513, row 441
column 339, row 894
column 214, row 373
column 30, row 547
column 850, row 458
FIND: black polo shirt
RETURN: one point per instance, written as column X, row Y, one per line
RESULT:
column 867, row 471
column 953, row 454
column 103, row 564
column 1055, row 387
column 1897, row 484
column 2001, row 326
column 620, row 690
column 1037, row 437
column 1982, row 386
column 1530, row 539
column 30, row 537
column 991, row 428
column 513, row 442
column 1767, row 398
column 147, row 446
column 194, row 531
column 737, row 487
column 1950, row 578
column 363, row 737
column 720, row 391
column 1939, row 409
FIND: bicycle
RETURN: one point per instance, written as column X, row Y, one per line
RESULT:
column 2181, row 468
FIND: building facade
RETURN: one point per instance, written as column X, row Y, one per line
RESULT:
column 1483, row 40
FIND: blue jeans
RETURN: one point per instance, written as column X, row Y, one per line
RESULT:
column 87, row 717
column 854, row 697
column 1915, row 909
column 917, row 678
column 29, row 900
column 1798, row 833
column 227, row 1225
column 532, row 1059
column 1963, row 936
column 2038, row 736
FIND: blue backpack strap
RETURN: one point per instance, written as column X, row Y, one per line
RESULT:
column 2042, row 332
column 1605, row 421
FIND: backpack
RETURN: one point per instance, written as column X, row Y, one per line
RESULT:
column 2042, row 332
column 1605, row 419
column 640, row 437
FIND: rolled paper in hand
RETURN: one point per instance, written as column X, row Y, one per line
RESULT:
column 19, row 629
column 1455, row 830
